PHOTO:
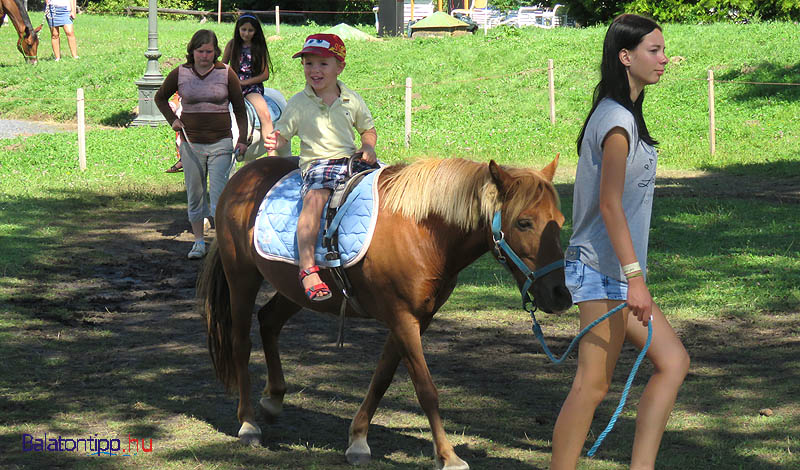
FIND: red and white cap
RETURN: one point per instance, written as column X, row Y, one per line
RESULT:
column 325, row 45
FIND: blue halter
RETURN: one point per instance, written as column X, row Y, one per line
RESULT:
column 530, row 276
column 504, row 250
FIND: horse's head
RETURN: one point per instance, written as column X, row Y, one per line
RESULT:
column 531, row 222
column 28, row 44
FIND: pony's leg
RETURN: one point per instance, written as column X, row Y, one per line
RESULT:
column 272, row 317
column 407, row 337
column 358, row 451
column 243, row 294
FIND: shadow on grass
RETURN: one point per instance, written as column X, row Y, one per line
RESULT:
column 765, row 72
column 118, row 119
column 124, row 353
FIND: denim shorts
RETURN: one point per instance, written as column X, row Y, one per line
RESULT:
column 586, row 283
column 57, row 15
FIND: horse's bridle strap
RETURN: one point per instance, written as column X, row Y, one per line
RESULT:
column 505, row 250
column 500, row 242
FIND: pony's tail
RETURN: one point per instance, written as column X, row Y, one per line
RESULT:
column 214, row 302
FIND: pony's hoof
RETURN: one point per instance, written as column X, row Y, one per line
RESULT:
column 358, row 453
column 270, row 407
column 250, row 434
column 456, row 464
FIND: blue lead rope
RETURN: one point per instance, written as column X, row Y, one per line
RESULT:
column 537, row 330
column 530, row 276
column 625, row 391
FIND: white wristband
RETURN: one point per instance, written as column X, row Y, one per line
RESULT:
column 631, row 268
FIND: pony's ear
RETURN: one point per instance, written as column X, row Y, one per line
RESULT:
column 500, row 177
column 550, row 170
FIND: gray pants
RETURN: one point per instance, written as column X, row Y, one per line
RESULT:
column 201, row 162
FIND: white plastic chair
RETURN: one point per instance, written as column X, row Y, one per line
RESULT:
column 539, row 17
column 550, row 18
column 480, row 12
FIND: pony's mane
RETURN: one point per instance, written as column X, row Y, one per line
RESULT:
column 460, row 191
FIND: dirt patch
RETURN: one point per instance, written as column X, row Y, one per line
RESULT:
column 115, row 338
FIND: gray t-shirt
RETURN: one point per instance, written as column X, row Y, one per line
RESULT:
column 589, row 230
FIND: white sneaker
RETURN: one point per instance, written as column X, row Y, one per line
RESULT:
column 198, row 250
column 208, row 223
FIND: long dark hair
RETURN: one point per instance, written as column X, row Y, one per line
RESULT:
column 258, row 46
column 202, row 36
column 625, row 32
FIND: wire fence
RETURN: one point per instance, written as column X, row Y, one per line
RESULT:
column 81, row 100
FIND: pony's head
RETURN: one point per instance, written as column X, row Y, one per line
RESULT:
column 468, row 194
column 28, row 44
column 531, row 226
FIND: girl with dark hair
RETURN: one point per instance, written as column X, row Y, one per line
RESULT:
column 606, row 262
column 248, row 56
column 206, row 87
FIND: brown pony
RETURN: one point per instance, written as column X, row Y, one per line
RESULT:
column 28, row 42
column 434, row 220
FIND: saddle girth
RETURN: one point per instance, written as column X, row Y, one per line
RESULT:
column 330, row 241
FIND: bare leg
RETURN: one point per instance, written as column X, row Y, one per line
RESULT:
column 597, row 356
column 73, row 44
column 198, row 230
column 671, row 364
column 55, row 41
column 308, row 231
column 262, row 110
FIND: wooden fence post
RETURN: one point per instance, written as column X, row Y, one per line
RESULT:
column 712, row 125
column 277, row 20
column 408, row 112
column 552, row 91
column 219, row 11
column 81, row 131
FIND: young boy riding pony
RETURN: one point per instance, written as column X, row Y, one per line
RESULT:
column 323, row 115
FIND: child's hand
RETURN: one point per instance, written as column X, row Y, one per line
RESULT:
column 272, row 140
column 368, row 154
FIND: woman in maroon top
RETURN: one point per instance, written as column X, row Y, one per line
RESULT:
column 206, row 87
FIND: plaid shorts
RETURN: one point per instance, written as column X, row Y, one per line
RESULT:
column 327, row 173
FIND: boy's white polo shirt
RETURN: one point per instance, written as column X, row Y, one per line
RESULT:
column 325, row 131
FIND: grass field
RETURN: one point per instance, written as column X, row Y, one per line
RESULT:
column 98, row 334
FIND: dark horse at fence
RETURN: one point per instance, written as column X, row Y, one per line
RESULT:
column 28, row 42
column 434, row 220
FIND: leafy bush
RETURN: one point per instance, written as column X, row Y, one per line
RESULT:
column 118, row 6
column 590, row 12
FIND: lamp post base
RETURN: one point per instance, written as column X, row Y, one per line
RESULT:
column 149, row 114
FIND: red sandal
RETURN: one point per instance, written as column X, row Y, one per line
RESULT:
column 317, row 292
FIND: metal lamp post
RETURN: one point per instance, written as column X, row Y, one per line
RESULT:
column 149, row 115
